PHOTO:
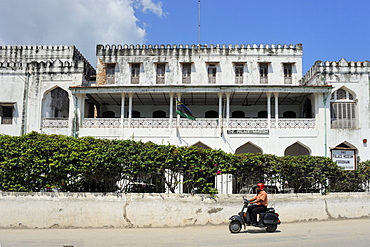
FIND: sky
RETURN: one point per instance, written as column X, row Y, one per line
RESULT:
column 328, row 29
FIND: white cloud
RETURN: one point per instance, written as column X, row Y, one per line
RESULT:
column 149, row 5
column 84, row 23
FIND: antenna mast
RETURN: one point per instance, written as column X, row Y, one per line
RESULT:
column 198, row 22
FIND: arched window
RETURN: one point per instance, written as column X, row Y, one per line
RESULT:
column 262, row 114
column 211, row 114
column 289, row 114
column 296, row 149
column 135, row 114
column 56, row 104
column 248, row 148
column 343, row 110
column 159, row 114
column 201, row 145
column 108, row 114
column 238, row 114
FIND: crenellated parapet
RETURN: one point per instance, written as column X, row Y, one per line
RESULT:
column 330, row 68
column 44, row 59
column 179, row 50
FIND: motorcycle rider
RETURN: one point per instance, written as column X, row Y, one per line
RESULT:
column 258, row 203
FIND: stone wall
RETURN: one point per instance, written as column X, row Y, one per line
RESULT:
column 96, row 210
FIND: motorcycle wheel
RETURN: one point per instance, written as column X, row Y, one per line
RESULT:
column 235, row 226
column 271, row 228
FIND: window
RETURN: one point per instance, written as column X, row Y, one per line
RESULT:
column 239, row 70
column 6, row 114
column 343, row 110
column 264, row 73
column 160, row 73
column 211, row 114
column 111, row 69
column 135, row 73
column 212, row 73
column 186, row 73
column 159, row 114
column 238, row 114
column 288, row 68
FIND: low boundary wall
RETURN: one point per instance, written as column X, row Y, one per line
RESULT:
column 97, row 210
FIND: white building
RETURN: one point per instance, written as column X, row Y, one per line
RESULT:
column 246, row 98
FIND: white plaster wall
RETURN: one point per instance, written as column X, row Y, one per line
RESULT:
column 12, row 90
column 89, row 210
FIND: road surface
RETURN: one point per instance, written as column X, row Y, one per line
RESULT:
column 320, row 233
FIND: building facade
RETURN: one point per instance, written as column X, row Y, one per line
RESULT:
column 246, row 98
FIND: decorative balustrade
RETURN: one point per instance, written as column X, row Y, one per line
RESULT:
column 148, row 123
column 247, row 123
column 55, row 123
column 200, row 123
column 297, row 123
column 101, row 123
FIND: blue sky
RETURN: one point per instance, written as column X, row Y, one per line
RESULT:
column 328, row 29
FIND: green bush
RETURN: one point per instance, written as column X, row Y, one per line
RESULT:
column 36, row 162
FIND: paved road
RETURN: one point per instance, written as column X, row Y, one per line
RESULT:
column 325, row 233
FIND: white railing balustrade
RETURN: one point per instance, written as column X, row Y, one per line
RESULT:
column 297, row 123
column 149, row 122
column 247, row 123
column 55, row 122
column 200, row 123
column 101, row 123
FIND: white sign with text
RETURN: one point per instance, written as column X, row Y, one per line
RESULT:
column 344, row 158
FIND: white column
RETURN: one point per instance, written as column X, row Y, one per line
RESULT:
column 178, row 116
column 129, row 109
column 269, row 109
column 82, row 113
column 171, row 109
column 227, row 109
column 276, row 95
column 220, row 110
column 122, row 109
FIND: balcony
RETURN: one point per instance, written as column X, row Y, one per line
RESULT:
column 55, row 122
column 200, row 123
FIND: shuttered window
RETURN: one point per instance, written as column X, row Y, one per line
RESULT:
column 343, row 110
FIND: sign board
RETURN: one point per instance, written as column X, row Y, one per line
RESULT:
column 344, row 158
column 247, row 131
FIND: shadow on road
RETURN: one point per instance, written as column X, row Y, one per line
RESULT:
column 259, row 230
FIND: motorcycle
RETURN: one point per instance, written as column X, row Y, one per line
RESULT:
column 268, row 219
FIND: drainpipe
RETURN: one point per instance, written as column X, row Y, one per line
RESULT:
column 25, row 102
column 326, row 96
column 75, row 120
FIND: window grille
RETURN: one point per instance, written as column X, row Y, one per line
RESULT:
column 263, row 73
column 111, row 69
column 160, row 73
column 135, row 73
column 343, row 110
column 186, row 73
column 6, row 115
column 288, row 68
column 212, row 73
column 239, row 70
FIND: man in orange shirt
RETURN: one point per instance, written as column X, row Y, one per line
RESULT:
column 258, row 203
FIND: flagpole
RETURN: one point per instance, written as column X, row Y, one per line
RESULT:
column 198, row 22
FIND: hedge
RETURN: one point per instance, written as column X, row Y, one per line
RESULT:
column 39, row 162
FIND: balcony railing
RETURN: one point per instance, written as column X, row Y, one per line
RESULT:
column 200, row 123
column 55, row 123
column 297, row 123
column 101, row 123
column 243, row 123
